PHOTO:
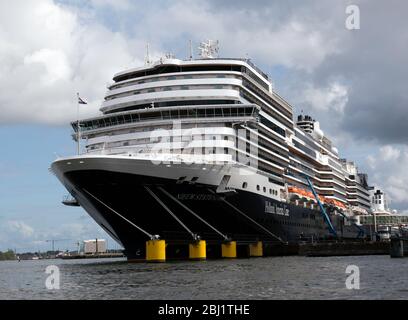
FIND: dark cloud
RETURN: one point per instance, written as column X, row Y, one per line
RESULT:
column 371, row 62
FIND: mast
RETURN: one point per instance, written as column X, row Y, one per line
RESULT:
column 147, row 56
column 191, row 49
column 78, row 128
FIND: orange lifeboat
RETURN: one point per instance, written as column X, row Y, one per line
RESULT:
column 304, row 193
column 341, row 205
column 294, row 190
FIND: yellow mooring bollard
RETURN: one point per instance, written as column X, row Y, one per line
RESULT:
column 256, row 249
column 197, row 250
column 156, row 251
column 229, row 249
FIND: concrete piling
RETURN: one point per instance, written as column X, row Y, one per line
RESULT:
column 396, row 248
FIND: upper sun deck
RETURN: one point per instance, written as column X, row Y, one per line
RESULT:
column 171, row 65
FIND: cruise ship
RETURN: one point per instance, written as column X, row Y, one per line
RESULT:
column 205, row 148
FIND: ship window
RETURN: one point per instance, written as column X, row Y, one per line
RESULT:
column 264, row 189
column 270, row 191
column 181, row 179
column 183, row 113
column 218, row 112
column 174, row 114
column 209, row 112
column 257, row 187
column 244, row 185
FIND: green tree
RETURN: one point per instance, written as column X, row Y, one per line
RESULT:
column 8, row 255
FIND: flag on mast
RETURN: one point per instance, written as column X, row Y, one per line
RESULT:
column 80, row 101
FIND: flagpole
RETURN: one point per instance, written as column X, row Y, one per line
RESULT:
column 78, row 128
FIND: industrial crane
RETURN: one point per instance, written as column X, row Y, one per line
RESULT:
column 53, row 242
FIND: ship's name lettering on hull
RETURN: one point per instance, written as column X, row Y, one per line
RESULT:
column 274, row 209
column 197, row 196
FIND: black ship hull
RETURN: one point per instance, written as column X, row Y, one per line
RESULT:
column 121, row 201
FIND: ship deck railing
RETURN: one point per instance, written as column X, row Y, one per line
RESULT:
column 168, row 113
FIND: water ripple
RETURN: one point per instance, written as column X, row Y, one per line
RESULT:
column 262, row 278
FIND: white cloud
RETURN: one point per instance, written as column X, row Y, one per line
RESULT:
column 294, row 43
column 59, row 50
column 115, row 4
column 52, row 55
column 390, row 153
column 23, row 236
column 55, row 63
column 333, row 97
column 390, row 172
column 21, row 228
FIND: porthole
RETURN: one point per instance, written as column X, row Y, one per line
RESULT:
column 244, row 185
column 257, row 187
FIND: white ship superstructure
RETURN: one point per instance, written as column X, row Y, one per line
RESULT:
column 336, row 180
column 379, row 201
column 210, row 100
column 206, row 139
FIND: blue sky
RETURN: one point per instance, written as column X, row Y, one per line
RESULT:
column 345, row 79
column 30, row 194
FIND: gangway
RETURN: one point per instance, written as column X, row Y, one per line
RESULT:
column 325, row 215
column 361, row 231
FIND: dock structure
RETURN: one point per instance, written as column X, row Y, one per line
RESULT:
column 156, row 250
column 343, row 248
column 93, row 256
column 398, row 247
column 198, row 250
column 162, row 251
column 229, row 249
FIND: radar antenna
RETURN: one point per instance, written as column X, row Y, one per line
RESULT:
column 209, row 49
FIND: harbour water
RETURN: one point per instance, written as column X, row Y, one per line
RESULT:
column 258, row 278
